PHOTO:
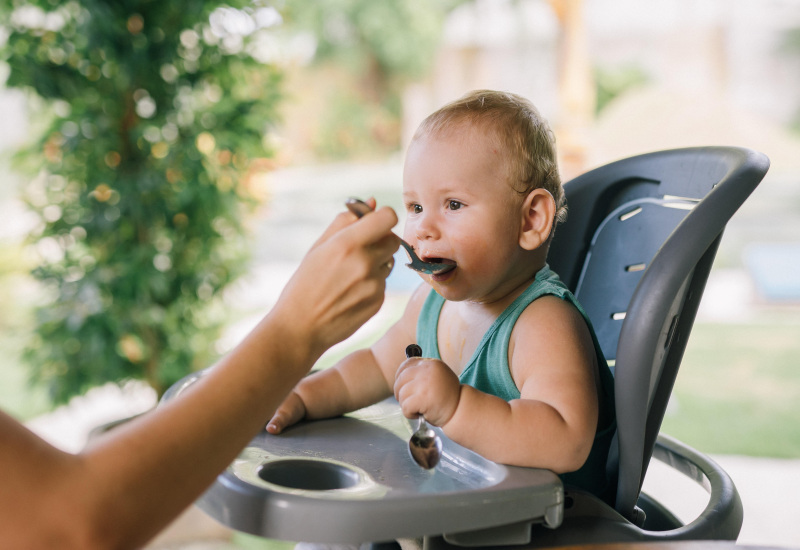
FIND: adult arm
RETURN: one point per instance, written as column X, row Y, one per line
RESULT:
column 130, row 484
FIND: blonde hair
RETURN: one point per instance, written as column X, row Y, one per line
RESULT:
column 525, row 136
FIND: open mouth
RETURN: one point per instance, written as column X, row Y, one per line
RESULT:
column 451, row 264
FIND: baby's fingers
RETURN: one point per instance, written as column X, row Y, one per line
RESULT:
column 290, row 412
column 405, row 376
column 277, row 423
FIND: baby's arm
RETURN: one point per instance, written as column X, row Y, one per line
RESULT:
column 362, row 378
column 328, row 393
column 552, row 425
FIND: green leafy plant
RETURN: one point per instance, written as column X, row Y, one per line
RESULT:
column 376, row 48
column 614, row 82
column 151, row 115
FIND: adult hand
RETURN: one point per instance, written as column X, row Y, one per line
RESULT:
column 341, row 282
column 428, row 387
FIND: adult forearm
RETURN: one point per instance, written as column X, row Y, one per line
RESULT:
column 163, row 461
column 126, row 487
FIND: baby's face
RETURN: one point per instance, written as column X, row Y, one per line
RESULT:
column 461, row 209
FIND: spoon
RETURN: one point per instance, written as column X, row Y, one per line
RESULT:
column 359, row 208
column 425, row 446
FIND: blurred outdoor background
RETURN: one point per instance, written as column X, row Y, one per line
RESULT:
column 163, row 170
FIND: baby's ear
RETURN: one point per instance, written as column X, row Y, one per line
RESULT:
column 538, row 213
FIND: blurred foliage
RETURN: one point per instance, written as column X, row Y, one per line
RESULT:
column 381, row 46
column 151, row 114
column 789, row 42
column 17, row 397
column 612, row 83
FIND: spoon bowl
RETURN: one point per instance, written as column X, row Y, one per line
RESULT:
column 425, row 445
column 359, row 208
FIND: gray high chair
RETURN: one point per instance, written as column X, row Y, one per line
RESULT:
column 636, row 249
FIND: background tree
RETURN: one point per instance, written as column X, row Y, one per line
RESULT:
column 366, row 52
column 150, row 115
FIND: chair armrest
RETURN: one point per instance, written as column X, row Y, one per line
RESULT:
column 587, row 520
column 723, row 515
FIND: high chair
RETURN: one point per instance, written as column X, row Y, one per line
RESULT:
column 636, row 249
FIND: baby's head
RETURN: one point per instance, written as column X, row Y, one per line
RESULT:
column 521, row 133
column 482, row 192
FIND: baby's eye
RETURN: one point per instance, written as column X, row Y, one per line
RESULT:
column 415, row 208
column 454, row 205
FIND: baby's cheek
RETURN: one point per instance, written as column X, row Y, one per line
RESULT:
column 409, row 231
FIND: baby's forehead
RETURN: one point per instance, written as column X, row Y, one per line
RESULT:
column 462, row 131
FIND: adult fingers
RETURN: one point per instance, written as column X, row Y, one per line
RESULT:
column 344, row 219
column 373, row 230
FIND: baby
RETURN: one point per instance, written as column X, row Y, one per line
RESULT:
column 511, row 366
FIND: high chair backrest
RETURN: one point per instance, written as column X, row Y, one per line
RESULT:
column 636, row 249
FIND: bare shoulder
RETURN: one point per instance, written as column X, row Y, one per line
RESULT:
column 418, row 298
column 414, row 307
column 552, row 313
column 402, row 333
column 551, row 335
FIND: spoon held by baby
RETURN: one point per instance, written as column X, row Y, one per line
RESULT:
column 425, row 445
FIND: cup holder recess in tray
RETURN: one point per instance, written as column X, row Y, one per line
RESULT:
column 309, row 475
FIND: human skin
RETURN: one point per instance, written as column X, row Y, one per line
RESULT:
column 132, row 482
column 462, row 209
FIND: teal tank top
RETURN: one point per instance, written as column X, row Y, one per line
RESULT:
column 489, row 372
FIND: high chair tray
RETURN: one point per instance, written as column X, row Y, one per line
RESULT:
column 351, row 480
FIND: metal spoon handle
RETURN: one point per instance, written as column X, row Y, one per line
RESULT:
column 425, row 446
column 413, row 350
column 357, row 207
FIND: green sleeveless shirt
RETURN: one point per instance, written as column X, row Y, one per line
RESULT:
column 489, row 372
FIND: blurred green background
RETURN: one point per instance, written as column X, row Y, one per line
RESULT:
column 320, row 98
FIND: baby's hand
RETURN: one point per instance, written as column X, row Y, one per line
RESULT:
column 291, row 411
column 428, row 387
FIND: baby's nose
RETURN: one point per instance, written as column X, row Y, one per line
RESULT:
column 426, row 228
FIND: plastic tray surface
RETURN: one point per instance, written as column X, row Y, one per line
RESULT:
column 351, row 480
